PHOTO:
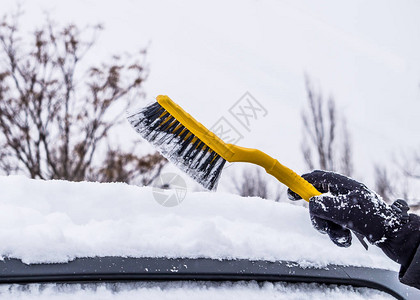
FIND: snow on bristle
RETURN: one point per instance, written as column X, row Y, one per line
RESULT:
column 175, row 142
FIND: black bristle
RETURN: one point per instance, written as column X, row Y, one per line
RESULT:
column 155, row 127
column 153, row 115
column 167, row 123
column 207, row 163
column 199, row 148
column 217, row 170
column 169, row 127
column 169, row 137
column 192, row 149
column 178, row 130
column 173, row 126
column 152, row 109
column 185, row 144
column 183, row 134
column 178, row 144
column 201, row 156
column 157, row 121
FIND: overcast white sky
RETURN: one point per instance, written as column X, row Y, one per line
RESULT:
column 205, row 55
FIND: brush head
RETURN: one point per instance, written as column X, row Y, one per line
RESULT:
column 178, row 144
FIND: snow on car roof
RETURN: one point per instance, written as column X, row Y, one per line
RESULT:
column 57, row 221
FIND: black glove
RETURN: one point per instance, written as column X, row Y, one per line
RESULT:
column 350, row 205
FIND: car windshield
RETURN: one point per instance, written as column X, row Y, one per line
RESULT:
column 189, row 290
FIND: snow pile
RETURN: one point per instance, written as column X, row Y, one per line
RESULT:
column 188, row 290
column 57, row 221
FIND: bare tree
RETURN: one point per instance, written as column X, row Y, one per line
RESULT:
column 346, row 158
column 408, row 177
column 127, row 167
column 321, row 127
column 411, row 165
column 55, row 121
column 384, row 183
column 396, row 184
column 253, row 183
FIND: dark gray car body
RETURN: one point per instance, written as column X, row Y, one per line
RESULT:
column 150, row 269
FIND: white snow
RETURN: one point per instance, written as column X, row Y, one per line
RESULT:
column 188, row 290
column 57, row 221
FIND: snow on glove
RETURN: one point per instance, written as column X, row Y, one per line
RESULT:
column 349, row 205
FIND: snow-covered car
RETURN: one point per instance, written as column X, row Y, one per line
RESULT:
column 90, row 240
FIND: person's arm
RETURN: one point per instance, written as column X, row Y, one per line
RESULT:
column 349, row 205
column 410, row 269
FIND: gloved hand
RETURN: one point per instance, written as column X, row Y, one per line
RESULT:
column 349, row 205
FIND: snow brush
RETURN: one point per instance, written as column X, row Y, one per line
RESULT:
column 202, row 154
column 199, row 152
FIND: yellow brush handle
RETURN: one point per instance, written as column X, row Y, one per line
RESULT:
column 233, row 153
column 285, row 175
column 295, row 182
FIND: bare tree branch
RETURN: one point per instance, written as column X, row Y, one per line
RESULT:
column 320, row 132
column 383, row 183
column 49, row 129
column 251, row 183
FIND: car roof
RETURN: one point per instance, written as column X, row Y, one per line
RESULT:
column 176, row 269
